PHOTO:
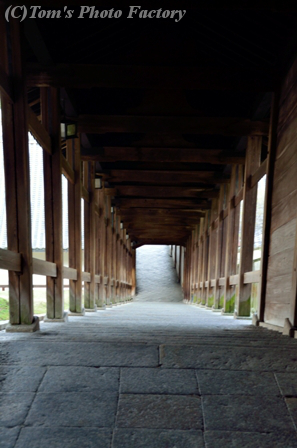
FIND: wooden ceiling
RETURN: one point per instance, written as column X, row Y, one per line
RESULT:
column 164, row 108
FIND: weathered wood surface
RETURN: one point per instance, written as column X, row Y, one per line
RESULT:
column 10, row 261
column 251, row 277
column 283, row 238
column 42, row 267
column 70, row 273
column 86, row 277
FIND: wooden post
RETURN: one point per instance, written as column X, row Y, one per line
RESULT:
column 212, row 253
column 74, row 227
column 113, row 257
column 89, row 236
column 17, row 184
column 102, row 233
column 272, row 145
column 231, row 242
column 133, row 290
column 253, row 160
column 52, row 165
column 107, row 257
column 200, row 260
column 219, row 248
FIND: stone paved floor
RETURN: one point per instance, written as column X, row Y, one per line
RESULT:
column 164, row 375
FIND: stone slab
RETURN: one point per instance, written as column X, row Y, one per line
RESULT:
column 81, row 379
column 226, row 358
column 158, row 381
column 287, row 383
column 84, row 354
column 64, row 438
column 20, row 379
column 14, row 408
column 74, row 314
column 220, row 439
column 8, row 437
column 153, row 438
column 239, row 382
column 292, row 406
column 24, row 328
column 159, row 412
column 246, row 413
column 83, row 409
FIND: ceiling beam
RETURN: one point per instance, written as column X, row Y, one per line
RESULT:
column 166, row 155
column 100, row 124
column 163, row 177
column 143, row 77
column 163, row 192
column 197, row 204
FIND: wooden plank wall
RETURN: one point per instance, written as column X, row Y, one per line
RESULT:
column 279, row 292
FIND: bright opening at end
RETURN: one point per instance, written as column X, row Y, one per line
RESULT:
column 156, row 276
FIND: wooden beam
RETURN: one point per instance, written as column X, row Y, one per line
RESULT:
column 100, row 124
column 42, row 267
column 70, row 273
column 197, row 204
column 163, row 192
column 149, row 77
column 10, row 261
column 164, row 155
column 67, row 170
column 251, row 277
column 39, row 132
column 166, row 177
column 85, row 194
column 261, row 171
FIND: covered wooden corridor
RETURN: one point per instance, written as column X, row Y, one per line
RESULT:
column 169, row 129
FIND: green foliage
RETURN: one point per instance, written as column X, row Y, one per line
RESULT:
column 4, row 309
column 221, row 301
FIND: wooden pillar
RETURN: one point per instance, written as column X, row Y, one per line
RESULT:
column 89, row 236
column 53, row 211
column 231, row 241
column 102, row 234
column 219, row 248
column 200, row 260
column 108, row 249
column 133, row 276
column 17, row 182
column 272, row 145
column 97, row 246
column 113, row 256
column 212, row 252
column 205, row 259
column 253, row 161
column 74, row 227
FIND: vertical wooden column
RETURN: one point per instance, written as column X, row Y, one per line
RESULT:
column 205, row 259
column 89, row 236
column 219, row 248
column 200, row 260
column 253, row 160
column 212, row 250
column 231, row 244
column 97, row 246
column 113, row 257
column 272, row 145
column 17, row 183
column 133, row 274
column 53, row 212
column 108, row 249
column 102, row 234
column 74, row 227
